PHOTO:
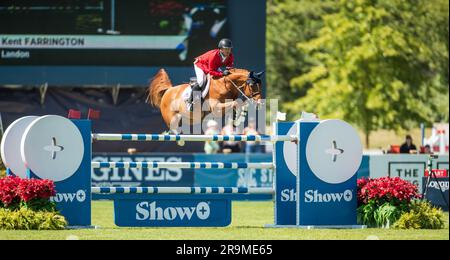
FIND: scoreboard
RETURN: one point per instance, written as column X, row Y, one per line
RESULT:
column 109, row 32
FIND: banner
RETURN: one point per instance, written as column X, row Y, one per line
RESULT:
column 107, row 177
column 437, row 191
column 410, row 167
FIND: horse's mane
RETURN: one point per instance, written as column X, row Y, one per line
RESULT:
column 239, row 71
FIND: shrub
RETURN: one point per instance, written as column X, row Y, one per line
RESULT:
column 25, row 218
column 25, row 204
column 384, row 215
column 421, row 216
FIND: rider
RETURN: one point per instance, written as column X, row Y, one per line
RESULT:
column 210, row 62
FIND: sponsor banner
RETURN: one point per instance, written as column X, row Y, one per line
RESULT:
column 437, row 190
column 189, row 177
column 409, row 167
column 317, row 198
column 74, row 193
column 364, row 170
column 286, row 179
column 234, row 177
column 106, row 177
column 437, row 172
column 173, row 211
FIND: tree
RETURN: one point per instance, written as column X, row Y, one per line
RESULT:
column 290, row 22
column 380, row 64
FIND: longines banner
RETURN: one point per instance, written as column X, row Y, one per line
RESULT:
column 188, row 177
column 106, row 177
column 142, row 177
column 408, row 167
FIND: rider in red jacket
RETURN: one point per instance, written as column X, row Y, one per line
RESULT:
column 210, row 62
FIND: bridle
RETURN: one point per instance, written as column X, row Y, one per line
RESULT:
column 253, row 93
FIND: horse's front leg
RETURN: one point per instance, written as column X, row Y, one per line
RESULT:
column 218, row 108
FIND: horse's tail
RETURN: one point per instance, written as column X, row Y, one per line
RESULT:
column 158, row 86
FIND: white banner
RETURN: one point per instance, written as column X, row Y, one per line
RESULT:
column 410, row 167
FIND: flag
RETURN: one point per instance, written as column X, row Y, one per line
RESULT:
column 74, row 114
column 93, row 114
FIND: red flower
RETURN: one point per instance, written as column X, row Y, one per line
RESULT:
column 8, row 191
column 386, row 189
column 35, row 188
column 14, row 190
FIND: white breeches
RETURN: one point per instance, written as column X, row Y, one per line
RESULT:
column 201, row 76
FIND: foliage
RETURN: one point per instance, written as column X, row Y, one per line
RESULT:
column 290, row 22
column 25, row 204
column 374, row 63
column 25, row 218
column 384, row 215
column 421, row 216
column 382, row 201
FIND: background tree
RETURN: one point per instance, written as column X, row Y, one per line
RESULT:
column 290, row 22
column 378, row 64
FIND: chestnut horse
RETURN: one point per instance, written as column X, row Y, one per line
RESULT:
column 222, row 92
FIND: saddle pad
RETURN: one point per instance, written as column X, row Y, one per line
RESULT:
column 187, row 92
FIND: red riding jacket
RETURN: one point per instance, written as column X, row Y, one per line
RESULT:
column 211, row 61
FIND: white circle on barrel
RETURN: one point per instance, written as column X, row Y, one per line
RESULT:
column 334, row 151
column 10, row 145
column 52, row 148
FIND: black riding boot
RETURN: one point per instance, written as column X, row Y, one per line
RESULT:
column 195, row 87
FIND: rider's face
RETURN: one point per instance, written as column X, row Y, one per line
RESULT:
column 225, row 51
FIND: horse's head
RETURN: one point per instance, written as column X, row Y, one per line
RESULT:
column 248, row 83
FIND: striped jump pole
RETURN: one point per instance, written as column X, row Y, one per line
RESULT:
column 315, row 183
column 193, row 138
column 181, row 165
column 180, row 190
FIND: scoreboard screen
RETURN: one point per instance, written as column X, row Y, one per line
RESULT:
column 109, row 32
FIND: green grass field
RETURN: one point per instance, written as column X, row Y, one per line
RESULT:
column 248, row 223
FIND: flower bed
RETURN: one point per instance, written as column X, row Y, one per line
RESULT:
column 384, row 201
column 25, row 204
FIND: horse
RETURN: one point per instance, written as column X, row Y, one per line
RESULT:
column 168, row 98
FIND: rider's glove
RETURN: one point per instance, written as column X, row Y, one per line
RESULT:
column 226, row 72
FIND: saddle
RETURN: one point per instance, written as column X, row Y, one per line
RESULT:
column 186, row 95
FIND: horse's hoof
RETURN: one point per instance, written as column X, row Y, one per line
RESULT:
column 180, row 143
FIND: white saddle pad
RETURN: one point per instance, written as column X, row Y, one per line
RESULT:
column 187, row 92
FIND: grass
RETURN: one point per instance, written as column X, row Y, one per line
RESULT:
column 248, row 223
